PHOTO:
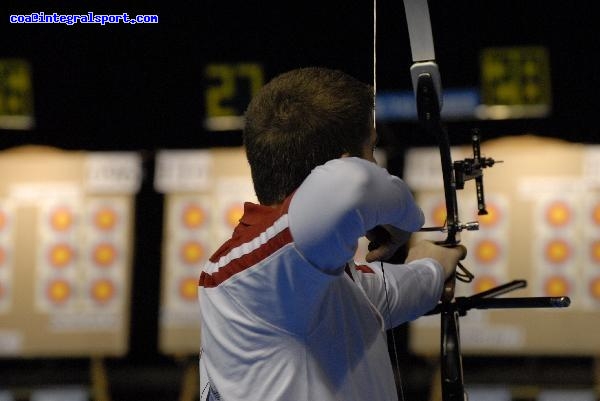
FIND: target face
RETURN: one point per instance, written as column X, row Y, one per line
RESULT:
column 487, row 251
column 3, row 220
column 104, row 254
column 105, row 219
column 558, row 214
column 557, row 251
column 61, row 219
column 595, row 215
column 61, row 255
column 102, row 291
column 491, row 219
column 58, row 291
column 594, row 288
column 556, row 286
column 438, row 215
column 192, row 252
column 484, row 283
column 595, row 251
column 2, row 256
column 233, row 214
column 193, row 216
column 188, row 289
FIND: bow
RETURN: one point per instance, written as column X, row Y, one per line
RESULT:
column 427, row 87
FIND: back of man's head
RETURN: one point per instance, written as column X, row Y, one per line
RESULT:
column 302, row 119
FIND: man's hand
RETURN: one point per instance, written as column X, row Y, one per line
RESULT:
column 447, row 257
column 385, row 241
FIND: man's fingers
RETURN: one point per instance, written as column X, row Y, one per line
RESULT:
column 374, row 255
column 383, row 252
column 462, row 250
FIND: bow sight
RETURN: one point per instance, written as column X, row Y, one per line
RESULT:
column 470, row 169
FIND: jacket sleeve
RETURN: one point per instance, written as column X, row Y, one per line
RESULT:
column 339, row 202
column 406, row 292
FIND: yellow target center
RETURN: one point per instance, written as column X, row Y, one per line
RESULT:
column 439, row 215
column 558, row 214
column 234, row 214
column 484, row 283
column 595, row 288
column 595, row 251
column 556, row 286
column 61, row 255
column 557, row 251
column 104, row 254
column 490, row 219
column 188, row 289
column 103, row 290
column 596, row 215
column 106, row 219
column 193, row 216
column 59, row 291
column 192, row 252
column 487, row 251
column 61, row 220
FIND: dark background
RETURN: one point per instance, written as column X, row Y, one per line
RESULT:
column 140, row 87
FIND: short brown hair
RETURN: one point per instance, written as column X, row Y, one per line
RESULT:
column 300, row 120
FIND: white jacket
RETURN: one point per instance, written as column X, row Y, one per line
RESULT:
column 281, row 320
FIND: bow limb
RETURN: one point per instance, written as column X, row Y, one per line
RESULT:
column 428, row 92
